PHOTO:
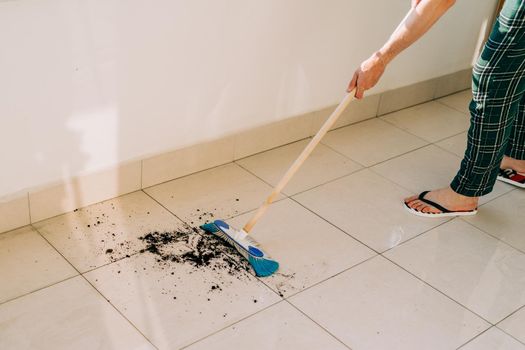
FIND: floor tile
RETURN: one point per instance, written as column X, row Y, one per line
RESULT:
column 224, row 191
column 369, row 208
column 279, row 327
column 371, row 141
column 68, row 315
column 308, row 248
column 456, row 144
column 321, row 166
column 494, row 339
column 430, row 121
column 515, row 325
column 377, row 305
column 473, row 268
column 459, row 101
column 503, row 218
column 426, row 169
column 28, row 263
column 176, row 304
column 107, row 231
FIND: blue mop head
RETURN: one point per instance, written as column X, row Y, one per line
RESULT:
column 262, row 264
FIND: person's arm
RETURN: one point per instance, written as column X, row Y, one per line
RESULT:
column 421, row 17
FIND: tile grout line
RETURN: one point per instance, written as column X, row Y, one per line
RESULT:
column 512, row 314
column 114, row 307
column 260, row 280
column 225, row 218
column 446, row 138
column 477, row 336
column 493, row 236
column 385, row 116
column 98, row 291
column 334, row 225
column 320, row 326
column 289, row 197
column 169, row 211
column 86, row 206
column 448, row 221
column 437, row 290
column 510, row 335
column 409, row 190
column 328, row 182
column 231, row 324
column 256, row 278
column 342, row 154
column 37, row 290
column 286, row 299
column 449, row 106
column 306, row 190
column 135, row 253
column 406, row 107
column 319, row 216
column 233, row 160
column 397, row 155
column 216, row 166
column 417, row 236
column 448, row 94
column 185, row 223
column 285, row 198
column 331, row 277
column 488, row 329
column 250, row 211
column 293, row 199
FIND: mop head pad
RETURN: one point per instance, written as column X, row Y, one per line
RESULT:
column 262, row 264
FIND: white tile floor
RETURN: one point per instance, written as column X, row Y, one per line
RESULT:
column 357, row 271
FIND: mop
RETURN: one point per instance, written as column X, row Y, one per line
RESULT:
column 263, row 264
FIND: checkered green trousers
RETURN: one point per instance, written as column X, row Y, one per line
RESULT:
column 497, row 124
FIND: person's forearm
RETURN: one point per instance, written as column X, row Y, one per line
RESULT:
column 419, row 20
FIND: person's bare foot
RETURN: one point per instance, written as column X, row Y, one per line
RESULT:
column 445, row 197
column 514, row 164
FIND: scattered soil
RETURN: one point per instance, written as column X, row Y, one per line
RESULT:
column 192, row 247
column 187, row 246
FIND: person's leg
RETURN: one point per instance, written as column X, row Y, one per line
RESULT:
column 498, row 87
column 515, row 153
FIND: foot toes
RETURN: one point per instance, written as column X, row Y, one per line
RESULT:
column 419, row 206
column 410, row 199
column 422, row 207
column 427, row 209
column 413, row 204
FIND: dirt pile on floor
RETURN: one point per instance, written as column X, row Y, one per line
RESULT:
column 196, row 248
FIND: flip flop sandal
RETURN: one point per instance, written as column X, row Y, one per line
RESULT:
column 444, row 211
column 512, row 177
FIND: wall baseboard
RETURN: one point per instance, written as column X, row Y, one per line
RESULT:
column 43, row 203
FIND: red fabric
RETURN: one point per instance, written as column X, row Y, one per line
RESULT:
column 518, row 178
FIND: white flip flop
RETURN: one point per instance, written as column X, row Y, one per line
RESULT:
column 444, row 211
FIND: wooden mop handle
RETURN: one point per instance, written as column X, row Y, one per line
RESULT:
column 299, row 161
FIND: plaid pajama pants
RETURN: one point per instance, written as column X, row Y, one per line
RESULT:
column 497, row 109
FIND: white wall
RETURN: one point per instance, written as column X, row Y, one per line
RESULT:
column 86, row 84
